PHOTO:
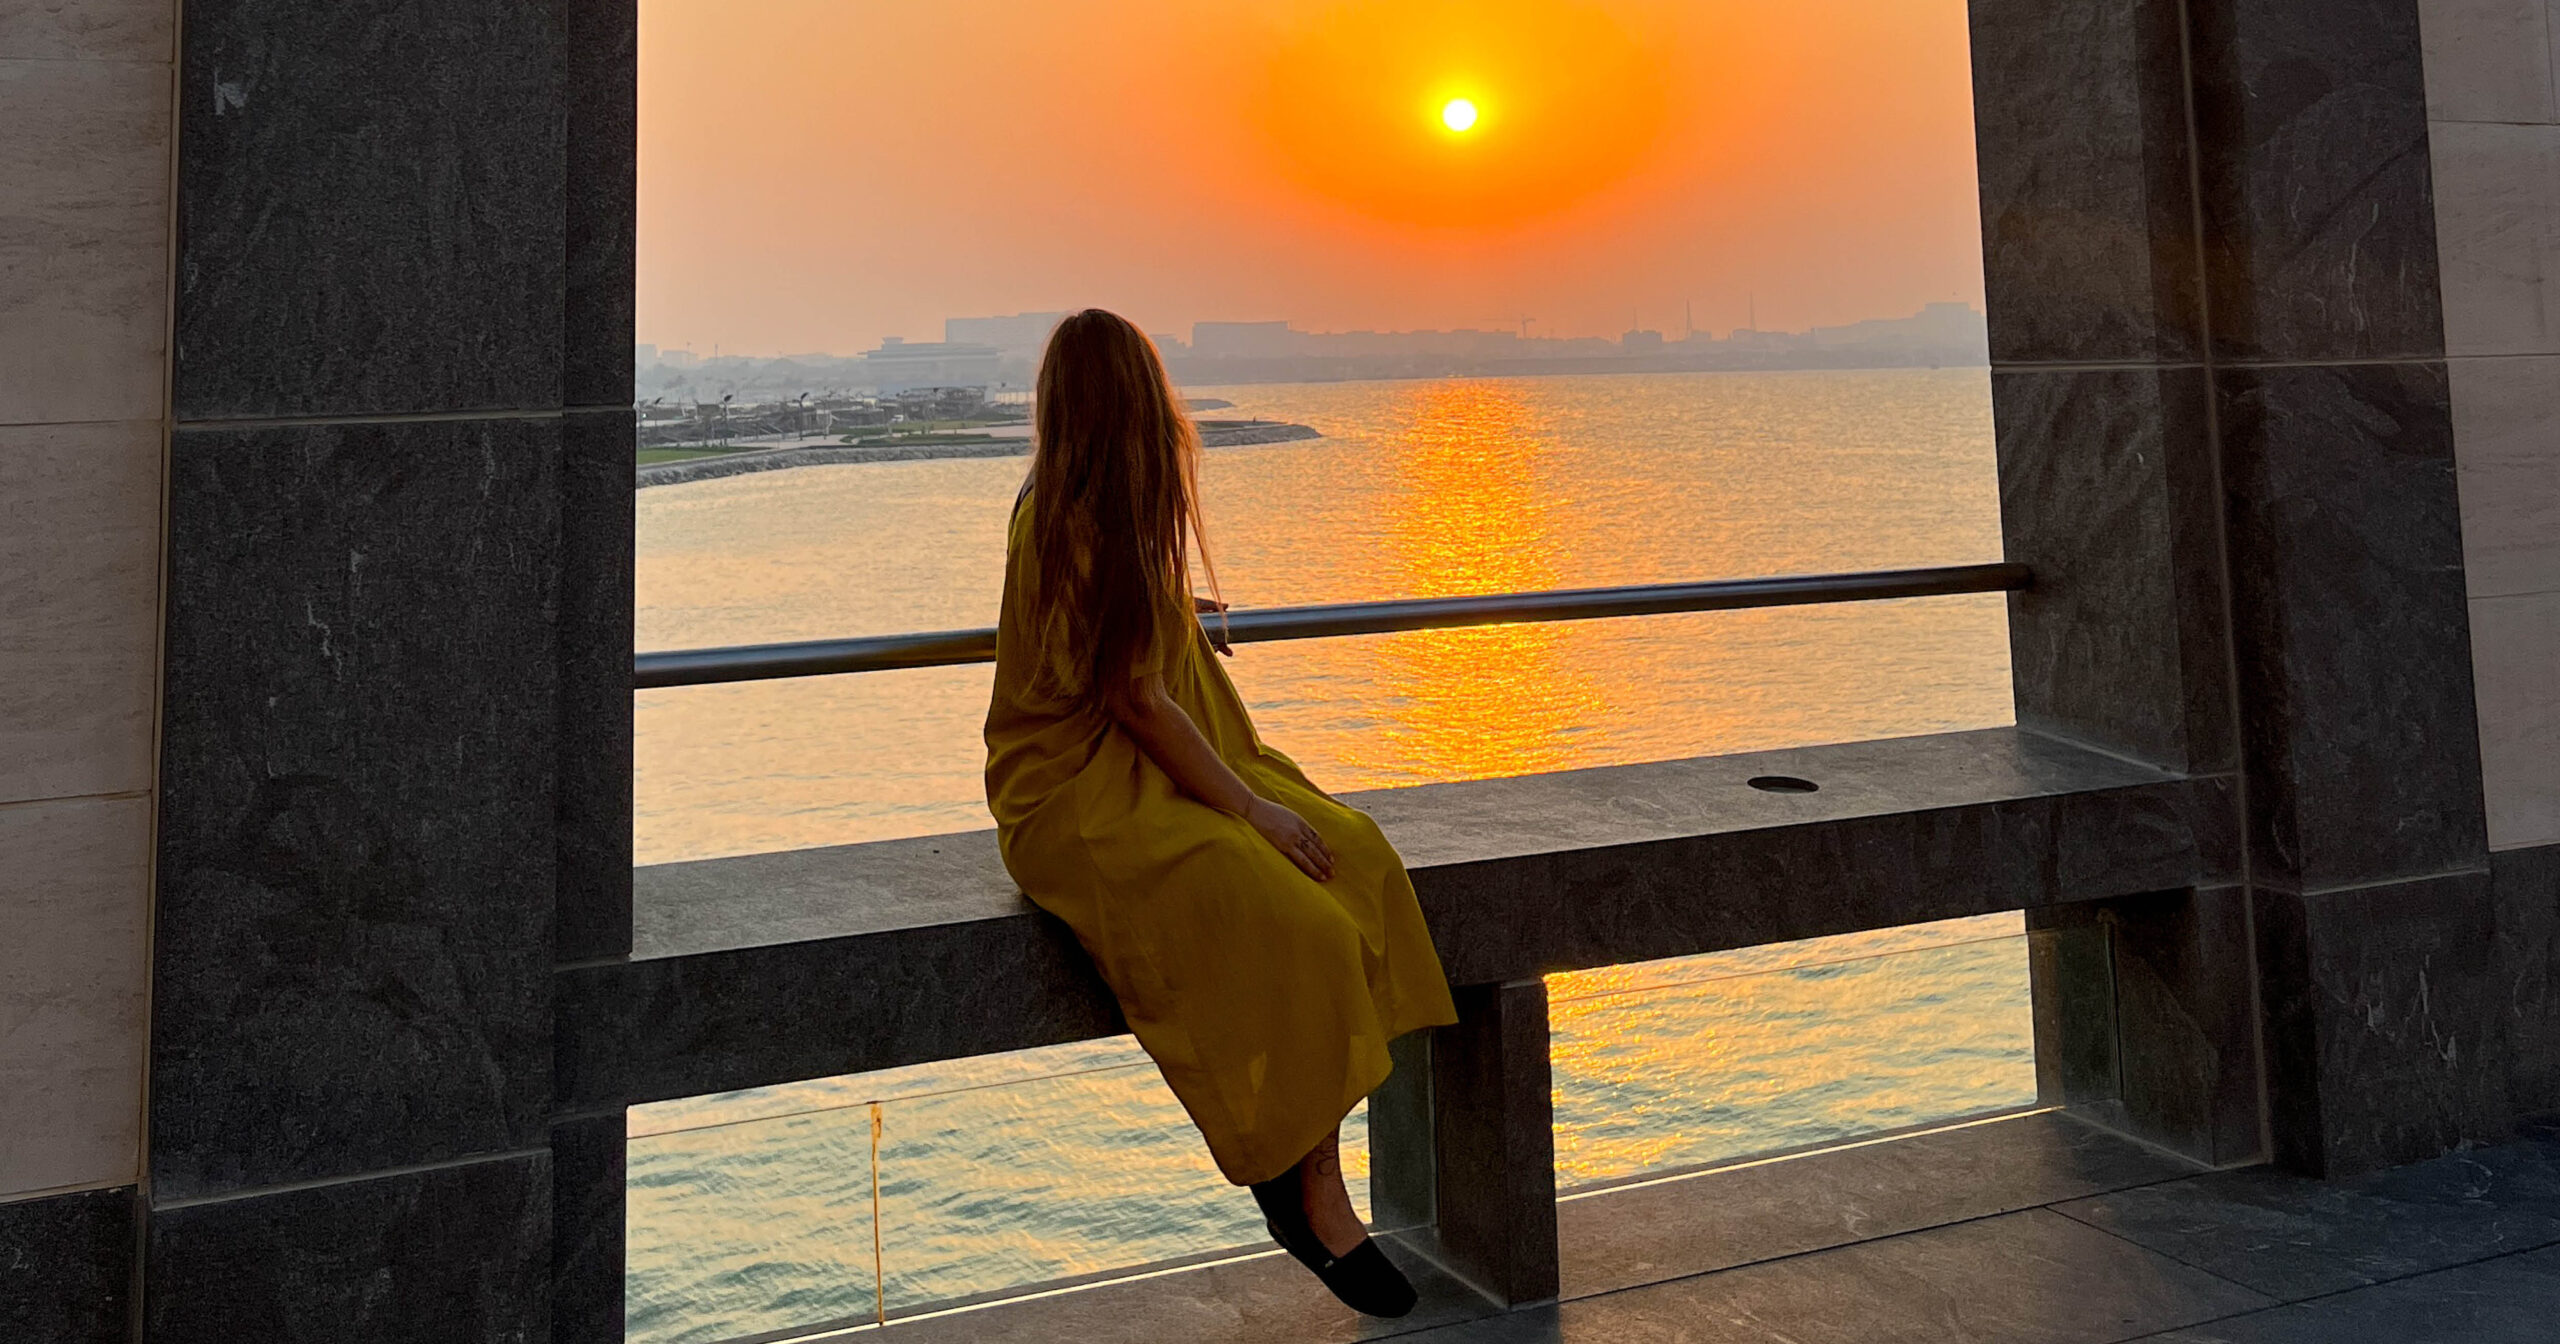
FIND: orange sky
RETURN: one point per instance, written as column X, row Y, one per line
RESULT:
column 818, row 174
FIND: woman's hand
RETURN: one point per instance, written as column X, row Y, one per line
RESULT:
column 1210, row 606
column 1291, row 835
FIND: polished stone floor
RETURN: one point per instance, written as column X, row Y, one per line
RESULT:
column 2034, row 1229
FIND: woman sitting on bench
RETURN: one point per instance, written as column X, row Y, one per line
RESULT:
column 1262, row 938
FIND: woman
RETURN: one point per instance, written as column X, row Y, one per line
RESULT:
column 1262, row 938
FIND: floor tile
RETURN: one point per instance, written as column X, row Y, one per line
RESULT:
column 1716, row 1220
column 2022, row 1278
column 1264, row 1300
column 2292, row 1238
column 2506, row 1301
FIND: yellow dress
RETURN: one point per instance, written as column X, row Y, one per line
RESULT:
column 1266, row 998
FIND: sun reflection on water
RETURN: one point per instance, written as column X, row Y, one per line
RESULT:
column 1471, row 512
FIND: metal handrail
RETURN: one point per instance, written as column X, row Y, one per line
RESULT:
column 947, row 648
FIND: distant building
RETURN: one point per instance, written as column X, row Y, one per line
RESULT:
column 900, row 364
column 1246, row 340
column 644, row 354
column 681, row 359
column 1951, row 331
column 1463, row 343
column 1641, row 342
column 1019, row 336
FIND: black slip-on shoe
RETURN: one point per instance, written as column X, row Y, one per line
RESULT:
column 1363, row 1277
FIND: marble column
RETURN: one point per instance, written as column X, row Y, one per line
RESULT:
column 2226, row 449
column 395, row 752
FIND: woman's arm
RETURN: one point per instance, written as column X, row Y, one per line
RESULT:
column 1173, row 742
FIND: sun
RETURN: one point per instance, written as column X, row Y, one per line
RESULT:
column 1458, row 115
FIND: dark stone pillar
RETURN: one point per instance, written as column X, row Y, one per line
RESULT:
column 362, row 839
column 2225, row 449
column 1494, row 1138
column 596, row 521
column 2349, row 626
column 2110, row 490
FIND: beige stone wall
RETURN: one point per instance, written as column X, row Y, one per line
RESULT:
column 86, row 99
column 2493, row 95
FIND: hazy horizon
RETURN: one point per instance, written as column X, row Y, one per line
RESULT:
column 817, row 175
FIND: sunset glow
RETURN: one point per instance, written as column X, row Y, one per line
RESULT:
column 819, row 174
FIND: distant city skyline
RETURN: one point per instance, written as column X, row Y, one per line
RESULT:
column 1006, row 357
column 1026, row 332
column 818, row 175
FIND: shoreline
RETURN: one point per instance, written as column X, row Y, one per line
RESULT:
column 1232, row 434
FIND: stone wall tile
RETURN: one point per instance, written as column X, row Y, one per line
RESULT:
column 2498, row 214
column 596, row 549
column 589, row 1170
column 79, row 615
column 2107, row 492
column 2186, row 1024
column 2383, row 1021
column 2526, row 883
column 2318, row 218
column 357, row 858
column 370, row 208
column 84, row 240
column 2516, row 659
column 66, row 1268
column 2487, row 60
column 88, row 30
column 603, row 130
column 2354, row 647
column 455, row 1253
column 2088, row 243
column 74, row 896
column 2506, row 433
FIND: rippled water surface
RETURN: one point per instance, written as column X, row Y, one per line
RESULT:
column 755, row 1212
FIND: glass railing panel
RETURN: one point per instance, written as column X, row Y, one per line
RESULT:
column 845, row 1201
column 754, row 1212
column 1693, row 1061
column 1059, row 1179
column 736, row 1225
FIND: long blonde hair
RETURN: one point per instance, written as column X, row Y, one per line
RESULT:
column 1115, row 505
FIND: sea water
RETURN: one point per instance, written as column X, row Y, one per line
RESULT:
column 845, row 1199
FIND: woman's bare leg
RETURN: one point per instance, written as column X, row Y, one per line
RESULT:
column 1328, row 1202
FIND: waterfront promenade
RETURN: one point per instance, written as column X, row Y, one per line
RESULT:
column 329, row 978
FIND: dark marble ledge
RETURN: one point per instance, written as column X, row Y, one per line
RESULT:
column 780, row 967
column 711, row 905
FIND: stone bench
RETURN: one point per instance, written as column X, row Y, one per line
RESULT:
column 777, row 967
